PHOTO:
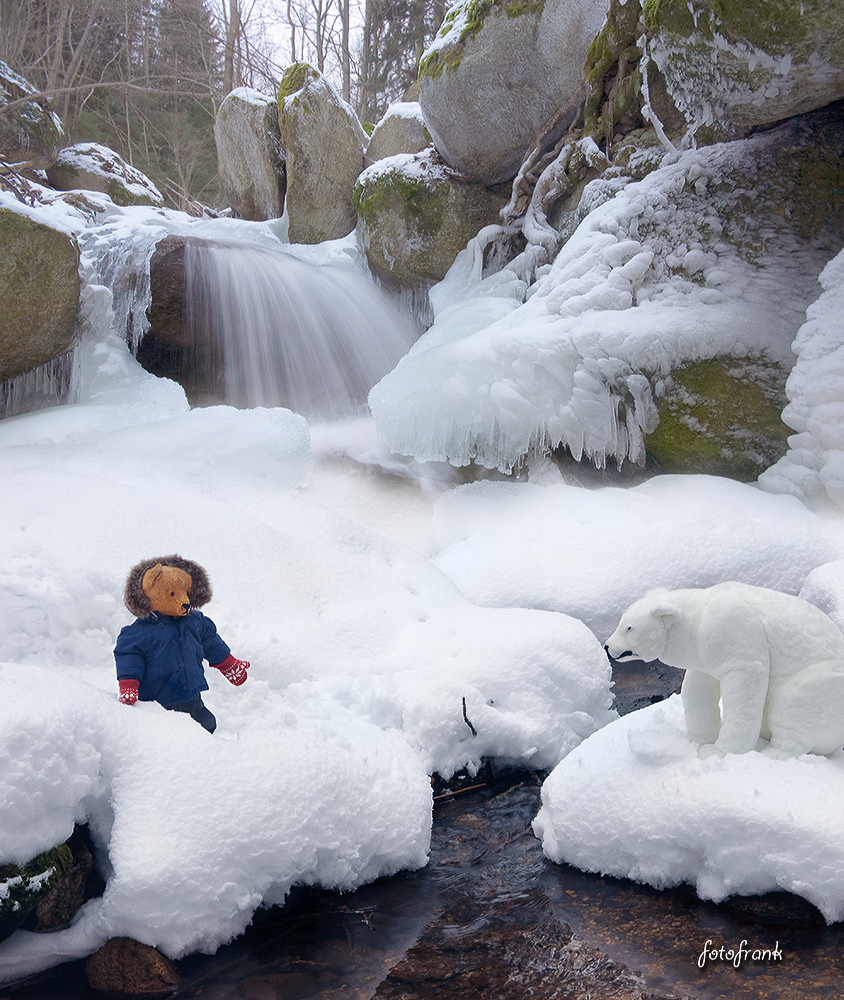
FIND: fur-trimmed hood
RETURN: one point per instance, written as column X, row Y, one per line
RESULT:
column 137, row 601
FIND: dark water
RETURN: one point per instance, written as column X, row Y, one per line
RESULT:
column 490, row 918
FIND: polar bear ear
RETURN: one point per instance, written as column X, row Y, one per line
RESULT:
column 666, row 612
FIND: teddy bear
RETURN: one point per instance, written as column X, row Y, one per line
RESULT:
column 159, row 657
column 764, row 670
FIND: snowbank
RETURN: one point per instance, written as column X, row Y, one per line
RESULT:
column 591, row 553
column 636, row 801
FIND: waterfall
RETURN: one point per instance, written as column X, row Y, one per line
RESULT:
column 285, row 332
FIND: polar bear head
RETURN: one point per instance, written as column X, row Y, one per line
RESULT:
column 642, row 632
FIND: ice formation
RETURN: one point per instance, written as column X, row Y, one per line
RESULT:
column 653, row 276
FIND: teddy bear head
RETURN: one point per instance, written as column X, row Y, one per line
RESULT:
column 169, row 586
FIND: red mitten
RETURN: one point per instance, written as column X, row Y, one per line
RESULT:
column 233, row 670
column 128, row 692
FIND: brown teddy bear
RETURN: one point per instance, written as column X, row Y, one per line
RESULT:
column 159, row 657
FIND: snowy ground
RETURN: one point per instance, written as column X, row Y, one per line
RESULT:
column 374, row 598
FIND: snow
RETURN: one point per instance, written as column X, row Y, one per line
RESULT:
column 387, row 611
column 659, row 272
column 636, row 801
column 363, row 655
column 813, row 468
column 591, row 553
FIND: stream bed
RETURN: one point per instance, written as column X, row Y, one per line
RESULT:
column 490, row 918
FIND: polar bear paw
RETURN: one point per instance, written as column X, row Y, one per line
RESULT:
column 706, row 750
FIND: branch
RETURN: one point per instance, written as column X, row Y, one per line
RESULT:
column 114, row 84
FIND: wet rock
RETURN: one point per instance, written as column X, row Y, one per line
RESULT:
column 39, row 292
column 416, row 214
column 30, row 132
column 22, row 887
column 93, row 167
column 323, row 143
column 496, row 72
column 249, row 154
column 126, row 968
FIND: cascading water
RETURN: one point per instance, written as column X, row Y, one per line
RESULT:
column 313, row 338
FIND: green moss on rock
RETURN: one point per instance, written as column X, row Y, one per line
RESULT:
column 721, row 417
column 294, row 79
column 21, row 888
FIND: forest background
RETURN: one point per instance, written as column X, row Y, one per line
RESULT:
column 145, row 77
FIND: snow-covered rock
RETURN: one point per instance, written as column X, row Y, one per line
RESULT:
column 494, row 74
column 401, row 130
column 90, row 166
column 249, row 155
column 323, row 144
column 30, row 132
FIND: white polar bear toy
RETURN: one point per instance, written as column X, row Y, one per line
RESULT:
column 775, row 663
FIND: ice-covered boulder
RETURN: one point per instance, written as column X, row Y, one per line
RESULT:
column 92, row 167
column 249, row 155
column 416, row 214
column 323, row 143
column 698, row 260
column 496, row 72
column 35, row 327
column 747, row 64
column 401, row 130
column 29, row 132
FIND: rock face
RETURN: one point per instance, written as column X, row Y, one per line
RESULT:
column 93, row 167
column 28, row 132
column 721, row 417
column 123, row 967
column 416, row 215
column 249, row 155
column 39, row 291
column 747, row 64
column 495, row 73
column 401, row 130
column 323, row 143
column 21, row 888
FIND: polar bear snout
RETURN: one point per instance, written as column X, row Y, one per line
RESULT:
column 627, row 654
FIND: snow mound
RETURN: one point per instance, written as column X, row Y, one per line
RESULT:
column 591, row 553
column 636, row 801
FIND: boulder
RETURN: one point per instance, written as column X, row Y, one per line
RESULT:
column 91, row 167
column 416, row 214
column 747, row 64
column 29, row 132
column 721, row 417
column 22, row 887
column 496, row 72
column 401, row 130
column 59, row 905
column 126, row 968
column 249, row 155
column 323, row 143
column 39, row 292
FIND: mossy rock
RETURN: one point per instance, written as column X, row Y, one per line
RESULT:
column 721, row 417
column 39, row 292
column 415, row 215
column 323, row 144
column 92, row 167
column 21, row 888
column 747, row 64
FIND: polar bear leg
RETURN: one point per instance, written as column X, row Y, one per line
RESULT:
column 803, row 712
column 701, row 694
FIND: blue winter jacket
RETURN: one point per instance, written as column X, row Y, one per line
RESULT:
column 165, row 656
